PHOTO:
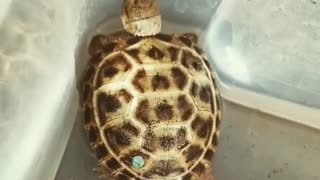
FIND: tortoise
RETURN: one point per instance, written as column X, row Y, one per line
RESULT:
column 151, row 105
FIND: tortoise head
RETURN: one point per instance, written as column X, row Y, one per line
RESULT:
column 141, row 17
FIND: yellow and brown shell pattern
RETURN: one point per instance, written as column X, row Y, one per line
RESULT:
column 151, row 107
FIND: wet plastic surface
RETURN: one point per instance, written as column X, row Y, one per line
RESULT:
column 253, row 145
column 266, row 54
column 270, row 47
column 37, row 100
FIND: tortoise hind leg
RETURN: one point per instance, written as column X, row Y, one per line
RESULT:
column 102, row 172
column 208, row 174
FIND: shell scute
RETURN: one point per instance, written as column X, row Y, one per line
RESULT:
column 114, row 69
column 111, row 104
column 193, row 62
column 121, row 137
column 169, row 108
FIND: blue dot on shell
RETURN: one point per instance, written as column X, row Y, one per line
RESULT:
column 137, row 162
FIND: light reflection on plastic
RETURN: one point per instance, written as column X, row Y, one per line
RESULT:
column 234, row 65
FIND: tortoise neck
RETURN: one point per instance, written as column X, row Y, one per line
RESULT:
column 141, row 17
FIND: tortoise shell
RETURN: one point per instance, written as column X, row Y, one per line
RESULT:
column 151, row 106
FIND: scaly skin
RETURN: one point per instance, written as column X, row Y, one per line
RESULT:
column 141, row 17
